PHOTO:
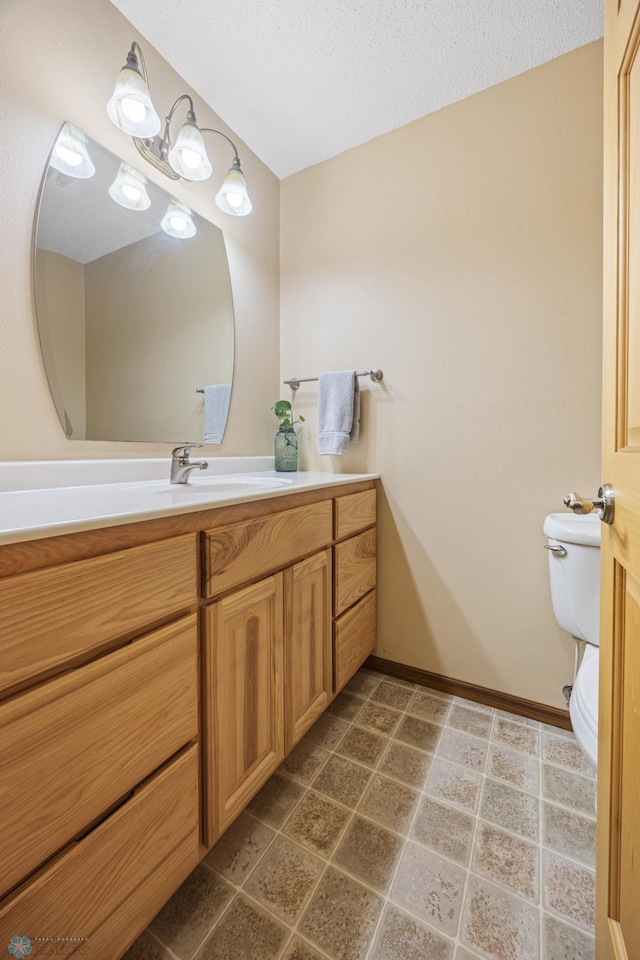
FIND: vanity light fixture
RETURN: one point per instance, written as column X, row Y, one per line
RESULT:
column 71, row 154
column 131, row 110
column 177, row 221
column 129, row 188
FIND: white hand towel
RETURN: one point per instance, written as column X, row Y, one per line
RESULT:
column 336, row 398
column 216, row 408
column 355, row 425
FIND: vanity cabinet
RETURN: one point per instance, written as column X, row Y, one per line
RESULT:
column 152, row 678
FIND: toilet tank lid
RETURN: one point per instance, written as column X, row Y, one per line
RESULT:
column 572, row 528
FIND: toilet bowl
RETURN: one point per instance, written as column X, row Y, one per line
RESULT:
column 574, row 571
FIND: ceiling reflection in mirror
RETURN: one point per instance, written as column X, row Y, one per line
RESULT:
column 133, row 300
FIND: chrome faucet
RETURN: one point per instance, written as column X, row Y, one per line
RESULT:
column 181, row 466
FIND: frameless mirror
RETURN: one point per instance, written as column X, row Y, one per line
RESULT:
column 133, row 300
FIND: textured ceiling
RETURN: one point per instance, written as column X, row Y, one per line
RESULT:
column 303, row 80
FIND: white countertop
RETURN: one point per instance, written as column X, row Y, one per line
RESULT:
column 51, row 498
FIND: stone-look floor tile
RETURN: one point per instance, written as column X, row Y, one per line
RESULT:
column 304, row 761
column 275, row 801
column 470, row 721
column 568, row 788
column 187, row 917
column 462, row 954
column 428, row 707
column 570, row 833
column 317, row 823
column 516, row 718
column 510, row 808
column 299, row 950
column 246, row 932
column 429, row 887
column 463, row 748
column 341, row 917
column 284, row 879
column 444, row 829
column 362, row 745
column 342, row 780
column 418, row 733
column 389, row 803
column 569, row 890
column 146, row 947
column 430, row 691
column 375, row 716
column 239, row 848
column 516, row 736
column 327, row 731
column 406, row 764
column 566, row 753
column 499, row 925
column 346, row 706
column 474, row 704
column 362, row 683
column 557, row 731
column 391, row 695
column 562, row 942
column 454, row 784
column 507, row 861
column 397, row 680
column 514, row 768
column 401, row 937
column 369, row 852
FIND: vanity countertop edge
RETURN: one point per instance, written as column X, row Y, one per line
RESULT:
column 56, row 510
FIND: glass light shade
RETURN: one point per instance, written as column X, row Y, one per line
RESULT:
column 71, row 154
column 188, row 155
column 177, row 221
column 130, row 107
column 129, row 190
column 233, row 197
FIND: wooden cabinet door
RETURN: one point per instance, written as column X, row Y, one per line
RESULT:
column 618, row 856
column 243, row 699
column 307, row 644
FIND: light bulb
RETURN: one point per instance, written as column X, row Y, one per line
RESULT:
column 133, row 109
column 131, row 193
column 71, row 154
column 177, row 221
column 190, row 158
column 234, row 199
column 72, row 157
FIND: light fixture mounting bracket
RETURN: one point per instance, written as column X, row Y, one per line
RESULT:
column 153, row 149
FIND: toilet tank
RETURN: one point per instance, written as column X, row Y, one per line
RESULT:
column 575, row 578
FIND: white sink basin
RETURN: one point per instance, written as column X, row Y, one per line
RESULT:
column 202, row 486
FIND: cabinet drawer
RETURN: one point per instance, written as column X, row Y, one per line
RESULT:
column 354, row 570
column 109, row 885
column 243, row 551
column 354, row 638
column 354, row 512
column 50, row 619
column 75, row 746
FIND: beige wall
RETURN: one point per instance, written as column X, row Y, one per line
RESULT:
column 462, row 254
column 61, row 59
column 61, row 328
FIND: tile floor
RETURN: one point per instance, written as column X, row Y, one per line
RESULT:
column 407, row 825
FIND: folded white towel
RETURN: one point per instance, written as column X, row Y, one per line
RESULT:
column 336, row 401
column 216, row 408
column 355, row 425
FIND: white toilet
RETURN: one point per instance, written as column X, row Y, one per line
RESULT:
column 574, row 569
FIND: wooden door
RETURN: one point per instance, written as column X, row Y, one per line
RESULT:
column 308, row 682
column 618, row 862
column 243, row 699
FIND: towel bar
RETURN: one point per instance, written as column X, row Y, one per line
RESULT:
column 376, row 375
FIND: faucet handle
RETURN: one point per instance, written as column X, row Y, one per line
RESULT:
column 182, row 453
